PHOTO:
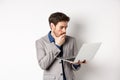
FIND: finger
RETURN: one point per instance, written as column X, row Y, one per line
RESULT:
column 79, row 62
column 63, row 35
column 84, row 61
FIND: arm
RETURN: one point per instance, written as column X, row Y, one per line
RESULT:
column 46, row 54
column 77, row 65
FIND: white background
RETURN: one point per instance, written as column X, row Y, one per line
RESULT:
column 24, row 21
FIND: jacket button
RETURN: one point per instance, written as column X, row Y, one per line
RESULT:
column 61, row 74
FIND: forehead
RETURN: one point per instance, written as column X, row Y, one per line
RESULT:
column 62, row 23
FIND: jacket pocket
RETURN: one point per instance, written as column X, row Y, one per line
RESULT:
column 49, row 77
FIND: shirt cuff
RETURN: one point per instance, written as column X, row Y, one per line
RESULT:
column 58, row 46
column 76, row 66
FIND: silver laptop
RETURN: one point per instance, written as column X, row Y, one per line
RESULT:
column 86, row 52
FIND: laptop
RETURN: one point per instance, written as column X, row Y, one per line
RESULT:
column 86, row 52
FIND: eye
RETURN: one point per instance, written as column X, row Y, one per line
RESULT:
column 61, row 27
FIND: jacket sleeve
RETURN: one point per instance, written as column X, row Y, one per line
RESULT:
column 46, row 54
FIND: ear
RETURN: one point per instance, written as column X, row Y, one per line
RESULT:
column 52, row 26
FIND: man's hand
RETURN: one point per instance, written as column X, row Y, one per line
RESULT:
column 59, row 40
column 80, row 62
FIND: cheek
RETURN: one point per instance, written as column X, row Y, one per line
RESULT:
column 58, row 33
column 58, row 30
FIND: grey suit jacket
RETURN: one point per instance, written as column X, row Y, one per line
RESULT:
column 47, row 53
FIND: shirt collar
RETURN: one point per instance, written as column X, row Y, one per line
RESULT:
column 51, row 39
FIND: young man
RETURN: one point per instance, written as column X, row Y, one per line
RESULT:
column 57, row 44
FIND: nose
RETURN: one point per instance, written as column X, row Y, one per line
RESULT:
column 64, row 30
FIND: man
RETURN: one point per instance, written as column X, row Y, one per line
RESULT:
column 57, row 44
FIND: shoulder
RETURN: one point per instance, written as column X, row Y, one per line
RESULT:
column 42, row 39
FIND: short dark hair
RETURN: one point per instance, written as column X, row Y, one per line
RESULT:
column 57, row 17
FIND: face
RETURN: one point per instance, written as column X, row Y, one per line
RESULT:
column 60, row 28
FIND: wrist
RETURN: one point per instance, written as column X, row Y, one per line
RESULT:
column 57, row 44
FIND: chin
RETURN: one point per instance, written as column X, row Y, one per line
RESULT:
column 58, row 35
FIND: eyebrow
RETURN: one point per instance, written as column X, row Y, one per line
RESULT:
column 64, row 26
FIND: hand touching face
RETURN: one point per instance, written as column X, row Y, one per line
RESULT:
column 59, row 40
column 59, row 32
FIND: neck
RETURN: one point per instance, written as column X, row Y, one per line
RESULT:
column 52, row 33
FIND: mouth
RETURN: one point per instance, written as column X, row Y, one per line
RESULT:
column 63, row 33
